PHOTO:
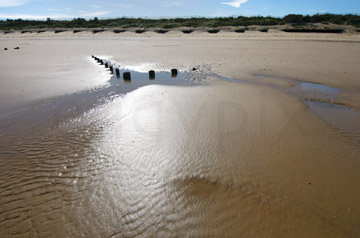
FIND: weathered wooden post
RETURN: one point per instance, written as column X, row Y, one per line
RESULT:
column 111, row 69
column 174, row 73
column 117, row 71
column 106, row 65
column 127, row 76
column 151, row 74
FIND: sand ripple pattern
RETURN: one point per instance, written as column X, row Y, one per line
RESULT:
column 92, row 173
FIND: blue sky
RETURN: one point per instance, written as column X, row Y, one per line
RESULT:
column 68, row 9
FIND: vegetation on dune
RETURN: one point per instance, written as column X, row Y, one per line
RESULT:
column 161, row 31
column 213, row 31
column 302, row 30
column 19, row 24
column 353, row 20
column 139, row 31
column 119, row 31
column 97, row 31
column 241, row 30
column 187, row 31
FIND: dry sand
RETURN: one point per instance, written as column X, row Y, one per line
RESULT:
column 225, row 159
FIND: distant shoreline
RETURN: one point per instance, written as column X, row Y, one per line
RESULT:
column 308, row 28
column 292, row 20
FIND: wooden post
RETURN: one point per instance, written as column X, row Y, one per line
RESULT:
column 106, row 65
column 174, row 73
column 117, row 71
column 111, row 69
column 151, row 74
column 126, row 76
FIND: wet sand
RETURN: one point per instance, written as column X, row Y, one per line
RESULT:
column 247, row 156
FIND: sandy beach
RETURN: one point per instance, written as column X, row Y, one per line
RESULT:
column 266, row 144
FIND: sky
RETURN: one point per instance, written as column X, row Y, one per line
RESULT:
column 69, row 9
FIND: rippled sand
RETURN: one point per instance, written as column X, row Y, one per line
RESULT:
column 224, row 159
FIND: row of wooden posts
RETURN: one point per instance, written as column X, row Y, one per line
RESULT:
column 127, row 75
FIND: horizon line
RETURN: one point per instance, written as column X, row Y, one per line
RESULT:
column 44, row 18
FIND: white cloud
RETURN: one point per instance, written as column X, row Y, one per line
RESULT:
column 95, row 6
column 12, row 3
column 235, row 3
column 33, row 17
column 93, row 14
